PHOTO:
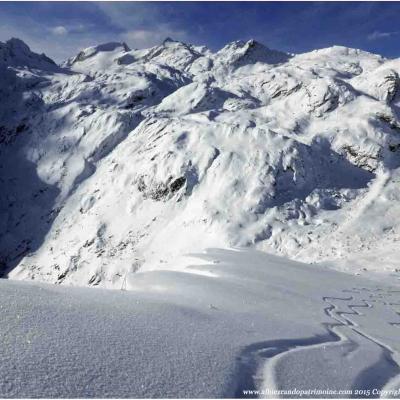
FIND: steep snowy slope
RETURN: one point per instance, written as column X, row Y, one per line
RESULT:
column 127, row 159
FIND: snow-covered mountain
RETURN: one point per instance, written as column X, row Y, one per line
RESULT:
column 120, row 159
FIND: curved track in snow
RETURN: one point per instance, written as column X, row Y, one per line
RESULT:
column 267, row 365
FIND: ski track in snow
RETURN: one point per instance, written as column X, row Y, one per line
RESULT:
column 258, row 360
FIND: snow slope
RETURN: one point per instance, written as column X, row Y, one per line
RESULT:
column 123, row 160
column 242, row 321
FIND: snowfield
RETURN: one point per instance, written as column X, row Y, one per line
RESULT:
column 241, row 321
column 122, row 160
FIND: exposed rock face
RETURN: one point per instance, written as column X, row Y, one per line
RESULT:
column 126, row 159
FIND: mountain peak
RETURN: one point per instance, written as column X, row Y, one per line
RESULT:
column 168, row 40
column 172, row 42
column 15, row 52
column 240, row 52
column 18, row 44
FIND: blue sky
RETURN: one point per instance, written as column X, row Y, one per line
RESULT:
column 61, row 29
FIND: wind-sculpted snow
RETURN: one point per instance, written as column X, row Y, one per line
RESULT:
column 121, row 160
column 243, row 324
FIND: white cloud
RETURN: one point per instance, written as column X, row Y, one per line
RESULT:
column 376, row 35
column 59, row 30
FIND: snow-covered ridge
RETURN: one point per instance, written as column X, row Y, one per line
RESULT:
column 95, row 50
column 122, row 159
